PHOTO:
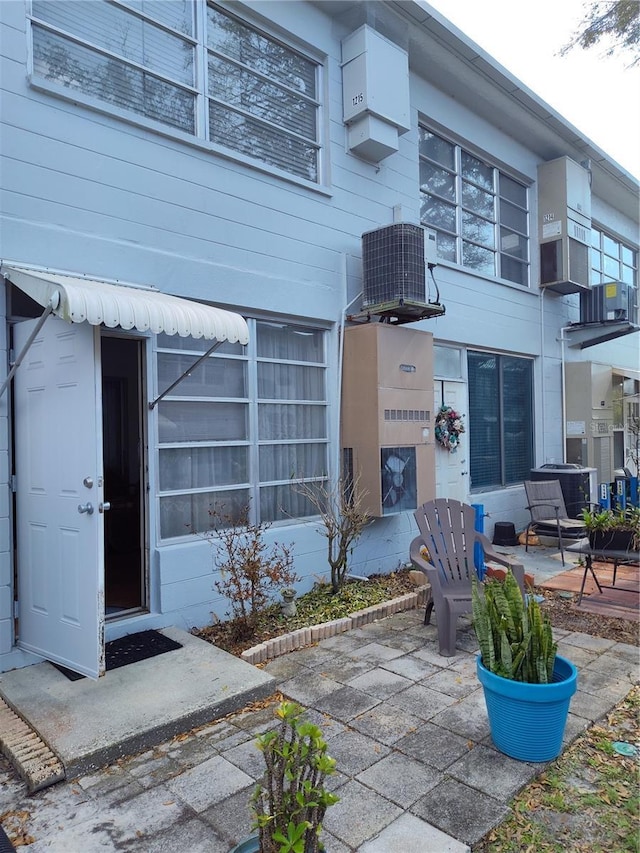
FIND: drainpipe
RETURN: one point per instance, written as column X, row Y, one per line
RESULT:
column 341, row 327
column 563, row 391
column 543, row 420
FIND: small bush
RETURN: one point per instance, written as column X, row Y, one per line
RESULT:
column 250, row 569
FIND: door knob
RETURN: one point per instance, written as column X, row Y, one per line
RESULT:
column 104, row 507
column 88, row 508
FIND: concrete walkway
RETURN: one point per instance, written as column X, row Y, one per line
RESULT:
column 408, row 728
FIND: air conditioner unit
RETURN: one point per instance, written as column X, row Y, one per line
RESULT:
column 393, row 265
column 613, row 301
column 564, row 226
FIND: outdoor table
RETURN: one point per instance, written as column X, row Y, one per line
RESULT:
column 606, row 556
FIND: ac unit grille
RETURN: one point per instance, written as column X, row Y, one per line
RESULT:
column 407, row 415
column 578, row 262
column 393, row 264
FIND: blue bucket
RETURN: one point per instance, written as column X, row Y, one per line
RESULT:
column 527, row 721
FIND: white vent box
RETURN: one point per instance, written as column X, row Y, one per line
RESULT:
column 564, row 226
column 375, row 93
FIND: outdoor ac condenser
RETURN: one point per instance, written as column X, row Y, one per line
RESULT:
column 393, row 265
column 608, row 302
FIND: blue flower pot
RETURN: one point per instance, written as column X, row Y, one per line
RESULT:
column 527, row 721
column 249, row 845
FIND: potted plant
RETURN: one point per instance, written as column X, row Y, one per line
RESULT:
column 290, row 801
column 613, row 530
column 527, row 685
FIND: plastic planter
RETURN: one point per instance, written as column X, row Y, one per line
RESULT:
column 527, row 721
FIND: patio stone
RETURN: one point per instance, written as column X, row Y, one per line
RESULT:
column 429, row 745
column 360, row 815
column 354, row 752
column 401, row 779
column 386, row 724
column 492, row 772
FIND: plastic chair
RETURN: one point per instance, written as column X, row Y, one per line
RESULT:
column 444, row 551
column 545, row 502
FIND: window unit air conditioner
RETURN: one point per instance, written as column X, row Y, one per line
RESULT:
column 610, row 302
column 564, row 226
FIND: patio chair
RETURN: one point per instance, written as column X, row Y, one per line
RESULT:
column 545, row 502
column 445, row 551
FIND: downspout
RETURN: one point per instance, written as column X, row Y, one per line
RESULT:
column 542, row 376
column 341, row 328
column 563, row 375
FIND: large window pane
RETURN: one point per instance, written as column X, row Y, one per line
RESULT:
column 512, row 190
column 198, row 467
column 118, row 31
column 251, row 137
column 229, row 36
column 437, row 213
column 517, row 395
column 206, row 421
column 484, row 420
column 513, row 217
column 240, row 89
column 213, row 377
column 292, row 461
column 477, row 258
column 290, row 382
column 437, row 181
column 477, row 229
column 513, row 270
column 76, row 67
column 477, row 200
column 181, row 515
column 437, row 149
column 513, row 244
column 476, row 171
column 289, row 343
column 284, row 502
column 500, row 419
column 280, row 422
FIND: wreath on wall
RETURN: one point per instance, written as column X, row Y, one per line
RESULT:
column 449, row 428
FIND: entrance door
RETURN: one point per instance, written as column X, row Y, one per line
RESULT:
column 452, row 469
column 59, row 495
column 124, row 475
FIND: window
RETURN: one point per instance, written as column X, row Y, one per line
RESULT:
column 479, row 213
column 241, row 427
column 500, row 419
column 255, row 95
column 612, row 260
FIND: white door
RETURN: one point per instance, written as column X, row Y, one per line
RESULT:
column 452, row 469
column 59, row 493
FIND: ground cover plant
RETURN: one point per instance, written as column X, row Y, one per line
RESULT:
column 587, row 800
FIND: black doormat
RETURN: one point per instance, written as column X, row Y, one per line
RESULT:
column 129, row 649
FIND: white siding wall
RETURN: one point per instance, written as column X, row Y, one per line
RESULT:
column 85, row 192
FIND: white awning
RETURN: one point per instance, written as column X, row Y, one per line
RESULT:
column 77, row 300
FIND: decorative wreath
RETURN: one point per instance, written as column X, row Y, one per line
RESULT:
column 449, row 427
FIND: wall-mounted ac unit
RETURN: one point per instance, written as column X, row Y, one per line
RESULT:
column 395, row 260
column 393, row 264
column 613, row 301
column 564, row 226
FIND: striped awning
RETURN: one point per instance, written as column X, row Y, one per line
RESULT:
column 80, row 300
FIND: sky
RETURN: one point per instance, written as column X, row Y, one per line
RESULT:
column 595, row 93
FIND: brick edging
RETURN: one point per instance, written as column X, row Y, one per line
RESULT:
column 277, row 646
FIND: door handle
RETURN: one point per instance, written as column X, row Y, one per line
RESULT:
column 104, row 507
column 88, row 508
